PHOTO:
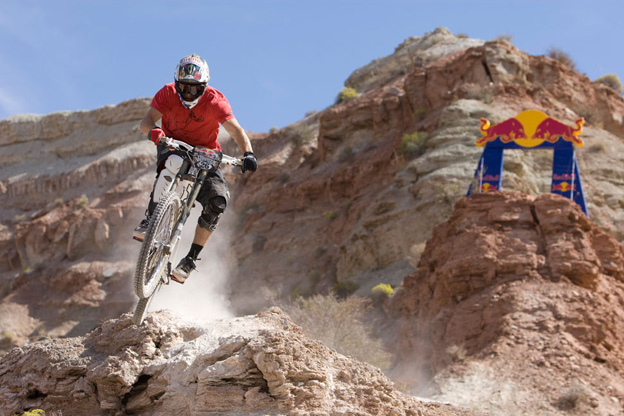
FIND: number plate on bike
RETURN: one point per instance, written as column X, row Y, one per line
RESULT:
column 207, row 159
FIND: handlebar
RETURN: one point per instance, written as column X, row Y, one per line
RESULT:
column 180, row 145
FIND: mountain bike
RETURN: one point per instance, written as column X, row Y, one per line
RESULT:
column 154, row 266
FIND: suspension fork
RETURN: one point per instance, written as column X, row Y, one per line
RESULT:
column 199, row 182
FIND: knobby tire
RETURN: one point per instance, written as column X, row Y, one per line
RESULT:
column 140, row 311
column 157, row 237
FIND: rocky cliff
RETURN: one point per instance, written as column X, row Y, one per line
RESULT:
column 364, row 206
column 522, row 296
column 346, row 199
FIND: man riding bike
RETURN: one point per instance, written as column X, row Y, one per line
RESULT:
column 191, row 111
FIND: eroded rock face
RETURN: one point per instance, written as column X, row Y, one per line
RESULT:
column 364, row 209
column 511, row 286
column 255, row 365
column 73, row 187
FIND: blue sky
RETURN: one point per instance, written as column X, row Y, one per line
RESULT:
column 275, row 60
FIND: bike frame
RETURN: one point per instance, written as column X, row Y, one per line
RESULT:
column 192, row 191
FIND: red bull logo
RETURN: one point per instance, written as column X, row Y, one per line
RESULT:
column 563, row 187
column 553, row 130
column 507, row 131
column 530, row 128
column 488, row 187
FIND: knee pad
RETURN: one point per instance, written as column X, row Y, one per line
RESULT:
column 211, row 213
column 166, row 176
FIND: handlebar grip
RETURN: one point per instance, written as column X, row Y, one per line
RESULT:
column 229, row 160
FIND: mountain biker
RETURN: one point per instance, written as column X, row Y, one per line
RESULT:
column 191, row 111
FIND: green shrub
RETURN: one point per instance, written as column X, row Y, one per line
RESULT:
column 383, row 289
column 340, row 325
column 413, row 144
column 346, row 153
column 34, row 412
column 82, row 201
column 331, row 215
column 345, row 288
column 420, row 112
column 611, row 80
column 347, row 94
column 561, row 56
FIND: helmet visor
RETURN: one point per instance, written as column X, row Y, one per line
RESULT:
column 190, row 72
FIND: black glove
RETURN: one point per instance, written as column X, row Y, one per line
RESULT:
column 249, row 162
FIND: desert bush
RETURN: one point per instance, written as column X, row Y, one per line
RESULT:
column 561, row 56
column 346, row 153
column 420, row 112
column 340, row 325
column 331, row 215
column 35, row 412
column 413, row 144
column 612, row 81
column 597, row 147
column 381, row 293
column 283, row 177
column 457, row 352
column 505, row 36
column 345, row 288
column 572, row 397
column 347, row 94
column 382, row 289
column 82, row 201
column 301, row 133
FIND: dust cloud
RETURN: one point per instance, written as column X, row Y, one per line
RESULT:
column 203, row 297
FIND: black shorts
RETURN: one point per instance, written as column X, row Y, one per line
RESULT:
column 214, row 184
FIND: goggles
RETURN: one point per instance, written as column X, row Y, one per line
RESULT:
column 188, row 88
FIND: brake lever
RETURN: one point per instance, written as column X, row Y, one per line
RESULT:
column 170, row 143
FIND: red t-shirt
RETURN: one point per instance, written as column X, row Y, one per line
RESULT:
column 198, row 126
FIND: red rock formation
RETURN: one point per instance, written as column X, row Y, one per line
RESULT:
column 519, row 283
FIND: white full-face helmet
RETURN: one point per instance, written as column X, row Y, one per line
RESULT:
column 191, row 77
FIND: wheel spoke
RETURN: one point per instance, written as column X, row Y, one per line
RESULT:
column 155, row 251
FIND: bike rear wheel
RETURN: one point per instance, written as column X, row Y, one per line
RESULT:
column 156, row 248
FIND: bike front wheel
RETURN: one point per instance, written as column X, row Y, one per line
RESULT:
column 156, row 248
column 140, row 311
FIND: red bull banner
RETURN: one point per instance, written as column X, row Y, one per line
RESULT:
column 531, row 129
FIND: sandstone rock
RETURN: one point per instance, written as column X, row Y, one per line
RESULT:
column 414, row 51
column 512, row 278
column 252, row 365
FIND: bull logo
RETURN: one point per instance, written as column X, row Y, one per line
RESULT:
column 552, row 130
column 507, row 131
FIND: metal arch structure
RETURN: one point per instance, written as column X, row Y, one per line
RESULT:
column 531, row 129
